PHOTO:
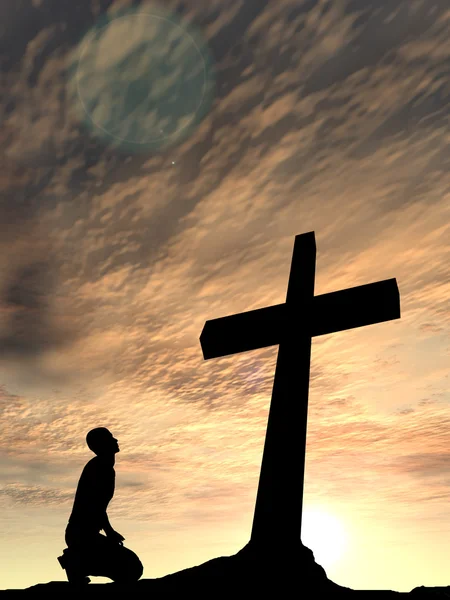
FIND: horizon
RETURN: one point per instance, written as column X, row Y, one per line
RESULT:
column 294, row 117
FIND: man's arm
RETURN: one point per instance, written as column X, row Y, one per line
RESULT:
column 106, row 525
column 110, row 532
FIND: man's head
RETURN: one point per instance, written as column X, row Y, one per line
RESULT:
column 101, row 441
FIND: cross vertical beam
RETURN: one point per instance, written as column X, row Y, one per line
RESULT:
column 279, row 500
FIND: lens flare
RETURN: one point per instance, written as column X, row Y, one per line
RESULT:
column 141, row 80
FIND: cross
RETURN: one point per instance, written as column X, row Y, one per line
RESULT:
column 291, row 326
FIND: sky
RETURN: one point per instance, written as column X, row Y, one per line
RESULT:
column 157, row 163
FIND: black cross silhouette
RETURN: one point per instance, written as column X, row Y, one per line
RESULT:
column 279, row 501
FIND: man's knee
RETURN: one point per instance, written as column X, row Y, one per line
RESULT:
column 127, row 568
column 133, row 567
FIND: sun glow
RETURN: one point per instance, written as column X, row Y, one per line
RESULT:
column 324, row 535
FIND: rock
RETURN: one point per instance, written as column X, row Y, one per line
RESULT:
column 255, row 568
column 440, row 592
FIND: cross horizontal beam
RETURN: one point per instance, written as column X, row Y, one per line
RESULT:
column 346, row 309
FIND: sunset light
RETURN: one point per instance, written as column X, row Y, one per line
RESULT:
column 325, row 535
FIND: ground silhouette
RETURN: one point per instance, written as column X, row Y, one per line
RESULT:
column 251, row 573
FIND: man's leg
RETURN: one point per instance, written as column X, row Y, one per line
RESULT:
column 97, row 555
column 73, row 558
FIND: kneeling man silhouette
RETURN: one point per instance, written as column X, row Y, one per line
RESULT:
column 89, row 552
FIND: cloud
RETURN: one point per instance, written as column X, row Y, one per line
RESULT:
column 32, row 495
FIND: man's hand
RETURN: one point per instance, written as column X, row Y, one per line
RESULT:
column 114, row 536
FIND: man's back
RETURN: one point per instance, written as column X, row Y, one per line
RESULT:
column 94, row 492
